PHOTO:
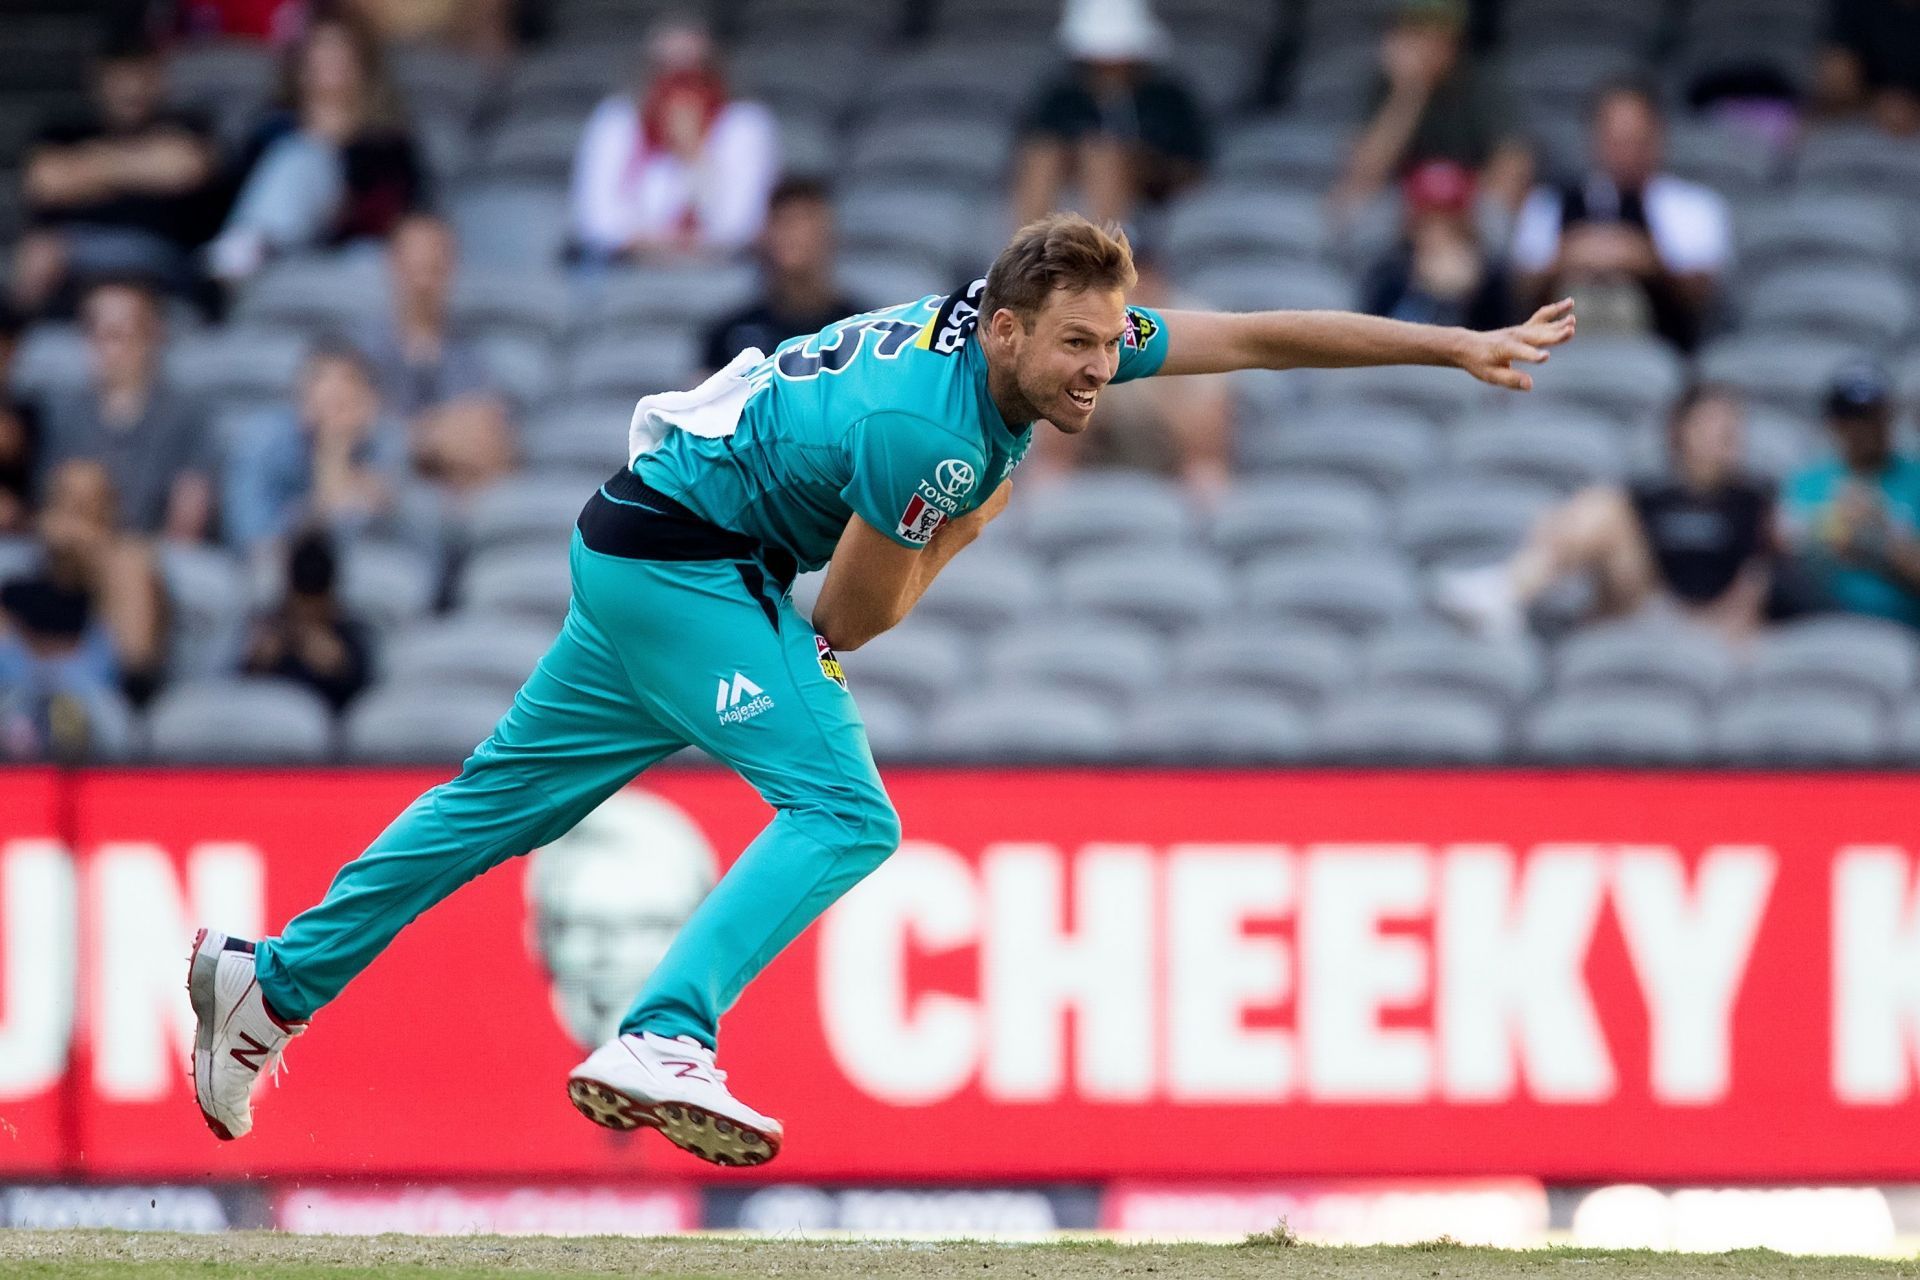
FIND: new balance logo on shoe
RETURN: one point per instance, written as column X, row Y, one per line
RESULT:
column 686, row 1068
column 739, row 700
column 251, row 1054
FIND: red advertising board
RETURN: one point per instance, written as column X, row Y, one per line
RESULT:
column 36, row 993
column 1075, row 975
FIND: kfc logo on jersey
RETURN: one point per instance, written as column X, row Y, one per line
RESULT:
column 920, row 521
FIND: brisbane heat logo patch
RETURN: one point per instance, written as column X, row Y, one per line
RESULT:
column 1140, row 329
column 830, row 662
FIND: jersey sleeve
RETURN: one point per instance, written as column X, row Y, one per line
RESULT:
column 1143, row 345
column 910, row 476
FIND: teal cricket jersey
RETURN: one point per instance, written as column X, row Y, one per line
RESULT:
column 1807, row 497
column 884, row 415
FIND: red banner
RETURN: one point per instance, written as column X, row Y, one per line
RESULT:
column 38, row 947
column 1063, row 975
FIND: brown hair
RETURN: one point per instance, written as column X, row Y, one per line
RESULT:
column 1059, row 251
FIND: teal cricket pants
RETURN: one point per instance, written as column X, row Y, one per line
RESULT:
column 634, row 675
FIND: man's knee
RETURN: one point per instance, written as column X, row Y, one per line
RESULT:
column 858, row 824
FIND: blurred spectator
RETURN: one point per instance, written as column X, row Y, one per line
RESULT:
column 1872, row 62
column 1113, row 124
column 1642, row 250
column 1853, row 521
column 675, row 164
column 484, row 28
column 337, row 164
column 1172, row 426
column 1439, row 273
column 308, row 638
column 19, row 435
column 334, row 463
column 279, row 21
column 153, row 441
column 127, row 188
column 1433, row 101
column 430, row 375
column 1697, row 542
column 86, row 620
column 798, row 292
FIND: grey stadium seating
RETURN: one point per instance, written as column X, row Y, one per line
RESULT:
column 1801, row 728
column 1430, row 658
column 1398, row 726
column 1026, row 722
column 1098, row 658
column 1844, row 655
column 1352, row 590
column 1260, row 517
column 239, row 720
column 916, row 663
column 1381, row 446
column 1103, row 509
column 1220, row 729
column 517, row 580
column 986, row 589
column 1676, row 661
column 1296, row 662
column 1165, row 590
column 1614, row 727
column 421, row 722
column 467, row 648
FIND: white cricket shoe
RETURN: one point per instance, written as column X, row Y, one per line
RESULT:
column 673, row 1086
column 1483, row 599
column 236, row 1037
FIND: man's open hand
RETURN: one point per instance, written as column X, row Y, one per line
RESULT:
column 1491, row 356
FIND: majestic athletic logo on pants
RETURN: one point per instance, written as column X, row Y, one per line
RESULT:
column 740, row 699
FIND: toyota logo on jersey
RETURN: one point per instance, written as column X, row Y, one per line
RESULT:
column 955, row 477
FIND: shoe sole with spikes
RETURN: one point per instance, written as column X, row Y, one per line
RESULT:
column 695, row 1130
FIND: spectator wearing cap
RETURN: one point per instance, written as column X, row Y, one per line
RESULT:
column 798, row 293
column 152, row 439
column 335, row 463
column 1871, row 63
column 436, row 378
column 1439, row 273
column 1432, row 100
column 129, row 187
column 675, row 164
column 309, row 638
column 1113, row 125
column 336, row 164
column 1697, row 542
column 1853, row 520
column 1640, row 249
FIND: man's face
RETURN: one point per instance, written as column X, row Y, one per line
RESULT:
column 129, row 91
column 1071, row 350
column 423, row 258
column 799, row 238
column 1864, row 438
column 1710, row 440
column 122, row 333
column 336, row 397
column 1626, row 139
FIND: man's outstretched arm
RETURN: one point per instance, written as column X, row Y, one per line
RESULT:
column 1218, row 342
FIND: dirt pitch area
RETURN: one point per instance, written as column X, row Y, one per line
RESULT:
column 111, row 1255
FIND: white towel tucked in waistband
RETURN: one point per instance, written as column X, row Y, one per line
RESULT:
column 711, row 409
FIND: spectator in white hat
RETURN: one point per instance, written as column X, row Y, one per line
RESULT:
column 1113, row 124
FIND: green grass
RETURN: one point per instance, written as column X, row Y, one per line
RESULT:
column 261, row 1255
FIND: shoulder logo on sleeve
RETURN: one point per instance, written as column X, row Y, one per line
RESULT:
column 956, row 477
column 1141, row 328
column 920, row 521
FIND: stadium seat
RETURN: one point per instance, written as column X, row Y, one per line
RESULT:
column 1331, row 80
column 1814, row 228
column 1380, row 446
column 1440, row 394
column 439, row 723
column 1737, row 163
column 1784, row 373
column 1439, row 659
column 666, row 295
column 1295, row 661
column 1221, row 74
column 1103, row 509
column 1351, row 590
column 521, row 366
column 1099, row 658
column 1626, row 377
column 437, row 81
column 207, row 595
column 526, row 301
column 531, row 147
column 1166, row 590
column 1290, row 150
column 467, row 648
column 633, row 363
column 1861, row 656
column 19, row 555
column 1215, row 728
column 887, row 279
column 325, row 293
column 1257, row 283
column 1468, row 519
column 524, row 510
column 386, row 585
column 1402, row 727
column 1560, row 77
column 527, row 581
column 896, row 728
column 1264, row 223
column 917, row 663
column 1567, row 448
column 237, row 364
column 1859, row 158
column 51, row 357
column 239, row 721
column 1672, row 659
column 1862, row 305
column 1632, row 26
column 1906, row 734
column 903, row 215
column 1614, row 727
column 510, row 225
column 228, row 82
column 1769, row 727
column 931, row 151
column 1260, row 517
column 986, row 589
column 569, row 77
column 954, row 83
column 1016, row 724
column 807, row 74
column 583, row 435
